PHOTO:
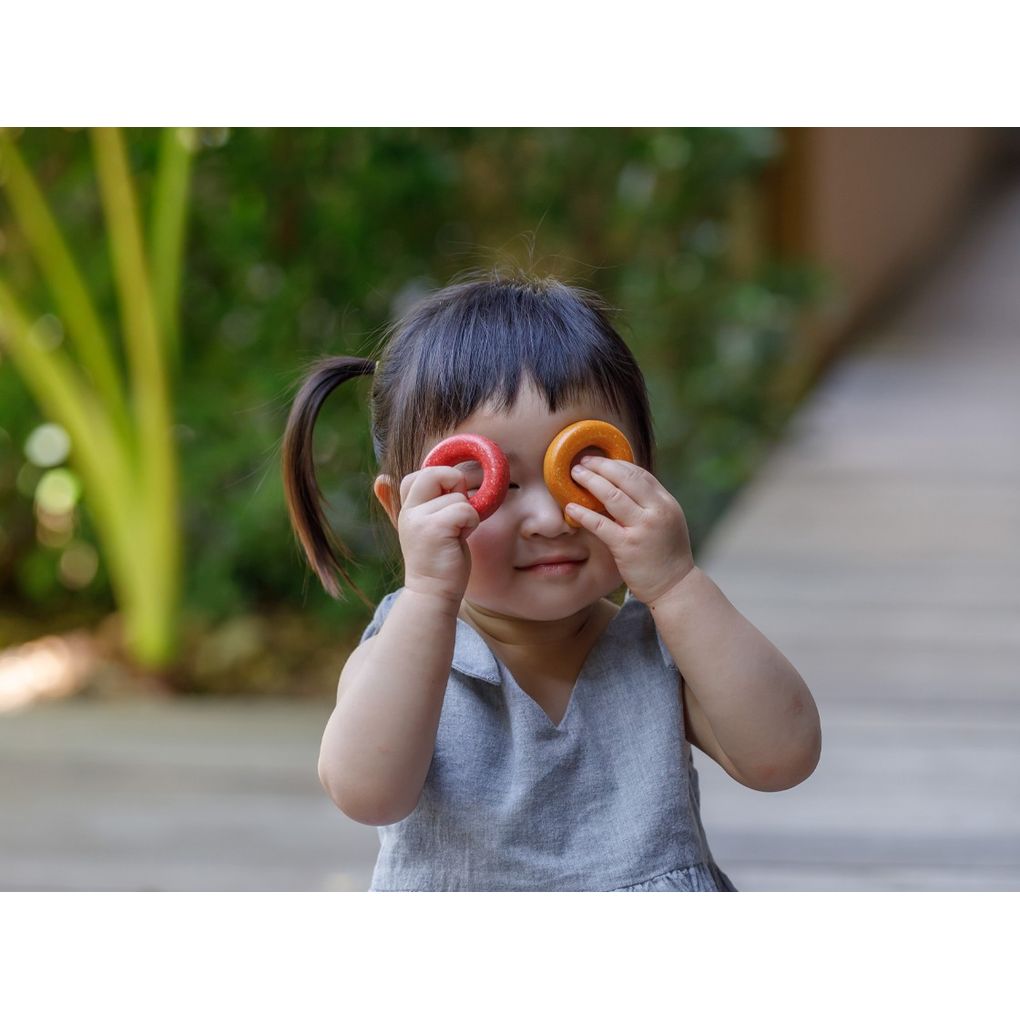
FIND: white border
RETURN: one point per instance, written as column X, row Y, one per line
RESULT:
column 533, row 64
column 508, row 955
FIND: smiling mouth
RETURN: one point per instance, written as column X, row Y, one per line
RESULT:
column 553, row 563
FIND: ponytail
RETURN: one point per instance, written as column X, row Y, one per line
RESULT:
column 324, row 550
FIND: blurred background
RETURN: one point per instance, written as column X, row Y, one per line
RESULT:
column 828, row 322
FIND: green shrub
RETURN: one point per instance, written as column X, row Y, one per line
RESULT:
column 303, row 242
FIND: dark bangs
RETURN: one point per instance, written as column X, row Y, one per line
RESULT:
column 476, row 342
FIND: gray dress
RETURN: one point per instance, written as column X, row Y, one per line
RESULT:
column 606, row 800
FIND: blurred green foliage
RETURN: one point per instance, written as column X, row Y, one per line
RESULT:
column 308, row 241
column 115, row 430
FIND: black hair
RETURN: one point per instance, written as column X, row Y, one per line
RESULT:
column 452, row 352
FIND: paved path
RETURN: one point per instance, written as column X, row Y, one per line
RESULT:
column 879, row 548
column 179, row 795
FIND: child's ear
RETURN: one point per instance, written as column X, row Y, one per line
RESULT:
column 383, row 489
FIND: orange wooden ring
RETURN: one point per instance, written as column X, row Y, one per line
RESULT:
column 562, row 451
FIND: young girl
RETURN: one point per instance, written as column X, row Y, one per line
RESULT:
column 504, row 723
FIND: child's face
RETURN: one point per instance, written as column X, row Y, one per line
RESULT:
column 529, row 526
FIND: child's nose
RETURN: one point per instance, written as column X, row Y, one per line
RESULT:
column 543, row 515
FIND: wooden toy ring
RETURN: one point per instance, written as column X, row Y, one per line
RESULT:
column 495, row 468
column 562, row 451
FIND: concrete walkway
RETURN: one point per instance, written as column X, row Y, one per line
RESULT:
column 177, row 795
column 879, row 548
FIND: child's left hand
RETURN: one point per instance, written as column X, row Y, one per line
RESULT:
column 647, row 533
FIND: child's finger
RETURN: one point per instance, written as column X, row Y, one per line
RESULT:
column 439, row 503
column 431, row 482
column 598, row 524
column 630, row 478
column 614, row 499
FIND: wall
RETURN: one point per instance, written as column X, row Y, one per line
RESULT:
column 874, row 206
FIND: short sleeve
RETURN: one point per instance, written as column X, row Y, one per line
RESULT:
column 667, row 656
column 381, row 612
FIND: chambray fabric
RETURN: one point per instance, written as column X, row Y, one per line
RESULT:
column 606, row 800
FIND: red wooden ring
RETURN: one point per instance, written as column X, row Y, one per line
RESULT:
column 495, row 468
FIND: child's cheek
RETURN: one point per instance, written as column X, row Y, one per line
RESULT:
column 489, row 542
column 602, row 562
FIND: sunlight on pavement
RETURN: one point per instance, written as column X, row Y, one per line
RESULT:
column 49, row 667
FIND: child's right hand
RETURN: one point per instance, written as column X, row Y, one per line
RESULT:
column 433, row 525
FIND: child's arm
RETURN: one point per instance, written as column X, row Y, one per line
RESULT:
column 745, row 704
column 379, row 741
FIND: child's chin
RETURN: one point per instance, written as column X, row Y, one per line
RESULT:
column 554, row 601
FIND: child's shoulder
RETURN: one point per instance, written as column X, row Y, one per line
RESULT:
column 381, row 612
column 637, row 625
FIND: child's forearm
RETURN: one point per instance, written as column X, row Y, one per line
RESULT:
column 760, row 710
column 379, row 741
